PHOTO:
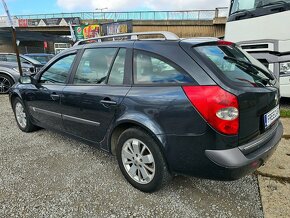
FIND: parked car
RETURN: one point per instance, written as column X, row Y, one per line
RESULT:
column 200, row 107
column 10, row 57
column 43, row 58
column 9, row 74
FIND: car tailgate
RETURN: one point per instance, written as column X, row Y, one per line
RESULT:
column 254, row 105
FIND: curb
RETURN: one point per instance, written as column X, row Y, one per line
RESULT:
column 274, row 177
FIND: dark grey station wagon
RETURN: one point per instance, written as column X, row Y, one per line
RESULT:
column 163, row 106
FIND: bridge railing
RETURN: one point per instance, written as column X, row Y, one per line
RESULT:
column 137, row 15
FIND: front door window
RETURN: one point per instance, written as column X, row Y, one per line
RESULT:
column 58, row 72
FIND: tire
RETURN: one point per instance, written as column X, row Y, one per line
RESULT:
column 5, row 83
column 133, row 142
column 22, row 116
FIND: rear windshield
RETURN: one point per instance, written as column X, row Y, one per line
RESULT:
column 235, row 64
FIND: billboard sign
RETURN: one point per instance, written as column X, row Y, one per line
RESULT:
column 48, row 22
column 117, row 28
column 86, row 31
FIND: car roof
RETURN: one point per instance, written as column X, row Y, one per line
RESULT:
column 6, row 53
column 193, row 41
column 38, row 54
column 13, row 64
column 199, row 40
column 25, row 57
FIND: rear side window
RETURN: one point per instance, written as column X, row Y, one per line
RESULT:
column 11, row 58
column 3, row 58
column 232, row 62
column 94, row 66
column 150, row 68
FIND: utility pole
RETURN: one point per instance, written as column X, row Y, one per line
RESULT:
column 14, row 40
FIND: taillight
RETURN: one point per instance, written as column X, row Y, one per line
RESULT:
column 217, row 106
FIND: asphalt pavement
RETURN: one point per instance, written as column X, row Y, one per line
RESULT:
column 45, row 174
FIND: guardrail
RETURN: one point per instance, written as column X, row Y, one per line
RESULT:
column 137, row 15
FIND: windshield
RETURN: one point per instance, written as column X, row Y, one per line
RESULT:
column 240, row 5
column 237, row 65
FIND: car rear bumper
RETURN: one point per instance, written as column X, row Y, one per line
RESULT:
column 233, row 163
column 191, row 155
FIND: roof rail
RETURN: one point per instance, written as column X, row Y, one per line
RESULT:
column 131, row 36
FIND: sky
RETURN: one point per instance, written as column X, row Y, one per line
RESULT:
column 26, row 7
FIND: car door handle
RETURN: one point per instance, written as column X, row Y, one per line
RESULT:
column 107, row 102
column 54, row 97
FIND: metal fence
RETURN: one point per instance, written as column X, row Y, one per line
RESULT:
column 138, row 15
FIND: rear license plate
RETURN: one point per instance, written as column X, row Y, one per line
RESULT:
column 271, row 116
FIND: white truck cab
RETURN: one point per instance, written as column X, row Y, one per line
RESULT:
column 261, row 27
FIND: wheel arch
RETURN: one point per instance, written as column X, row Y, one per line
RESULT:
column 152, row 129
column 13, row 95
column 8, row 74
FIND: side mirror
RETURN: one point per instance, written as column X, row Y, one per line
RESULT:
column 26, row 80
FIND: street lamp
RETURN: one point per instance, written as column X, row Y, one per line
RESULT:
column 101, row 9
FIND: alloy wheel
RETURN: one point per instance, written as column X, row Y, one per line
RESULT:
column 20, row 115
column 138, row 161
column 5, row 85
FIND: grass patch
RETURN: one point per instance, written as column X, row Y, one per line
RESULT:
column 285, row 113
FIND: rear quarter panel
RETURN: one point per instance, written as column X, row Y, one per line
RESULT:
column 167, row 107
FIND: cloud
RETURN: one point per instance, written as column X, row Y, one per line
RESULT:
column 128, row 5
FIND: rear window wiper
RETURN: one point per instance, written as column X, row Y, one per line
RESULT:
column 272, row 3
column 266, row 73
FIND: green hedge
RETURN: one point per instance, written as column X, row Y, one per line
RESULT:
column 285, row 113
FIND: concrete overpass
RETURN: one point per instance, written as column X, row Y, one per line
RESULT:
column 183, row 28
column 190, row 23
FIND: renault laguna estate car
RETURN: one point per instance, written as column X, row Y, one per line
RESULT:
column 164, row 106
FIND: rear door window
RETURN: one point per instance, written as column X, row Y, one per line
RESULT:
column 118, row 69
column 94, row 66
column 233, row 63
column 150, row 68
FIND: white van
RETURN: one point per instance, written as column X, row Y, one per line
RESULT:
column 285, row 85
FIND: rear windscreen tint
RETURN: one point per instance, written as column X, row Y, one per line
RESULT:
column 229, row 62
